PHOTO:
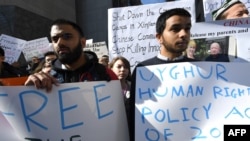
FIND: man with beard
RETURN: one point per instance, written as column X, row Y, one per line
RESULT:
column 72, row 65
column 173, row 34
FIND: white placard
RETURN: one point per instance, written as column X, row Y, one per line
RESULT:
column 190, row 101
column 86, row 111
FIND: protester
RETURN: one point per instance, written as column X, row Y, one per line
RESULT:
column 47, row 67
column 104, row 60
column 50, row 56
column 72, row 65
column 215, row 53
column 190, row 51
column 173, row 34
column 121, row 67
column 34, row 64
column 230, row 9
column 45, row 64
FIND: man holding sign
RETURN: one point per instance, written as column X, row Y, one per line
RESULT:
column 173, row 34
column 72, row 65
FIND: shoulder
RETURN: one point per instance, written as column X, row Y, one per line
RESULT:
column 150, row 61
column 92, row 56
column 103, row 73
column 112, row 75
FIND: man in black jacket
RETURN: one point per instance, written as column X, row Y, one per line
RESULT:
column 173, row 34
column 72, row 65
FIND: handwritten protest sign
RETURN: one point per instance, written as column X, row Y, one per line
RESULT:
column 12, row 47
column 7, row 132
column 190, row 101
column 100, row 48
column 36, row 47
column 211, row 5
column 89, row 111
column 132, row 29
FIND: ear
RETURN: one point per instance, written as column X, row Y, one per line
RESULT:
column 83, row 42
column 159, row 38
column 2, row 58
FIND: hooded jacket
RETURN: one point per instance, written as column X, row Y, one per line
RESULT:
column 90, row 71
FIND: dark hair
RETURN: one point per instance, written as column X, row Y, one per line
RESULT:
column 105, row 56
column 161, row 21
column 39, row 67
column 74, row 25
column 1, row 51
column 49, row 53
column 126, row 63
column 91, row 55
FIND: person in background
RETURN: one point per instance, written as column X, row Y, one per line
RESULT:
column 121, row 67
column 104, row 60
column 34, row 64
column 190, row 51
column 50, row 56
column 21, row 67
column 45, row 64
column 7, row 70
column 73, row 64
column 47, row 67
column 230, row 9
column 173, row 34
column 216, row 54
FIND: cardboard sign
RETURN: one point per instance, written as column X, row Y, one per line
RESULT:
column 86, row 111
column 132, row 29
column 190, row 101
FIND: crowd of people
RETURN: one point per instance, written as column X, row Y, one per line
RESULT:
column 69, row 63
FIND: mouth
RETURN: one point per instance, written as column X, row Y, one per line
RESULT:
column 182, row 44
column 122, row 75
column 63, row 50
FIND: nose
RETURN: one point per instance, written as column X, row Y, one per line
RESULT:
column 122, row 68
column 184, row 33
column 245, row 15
column 60, row 41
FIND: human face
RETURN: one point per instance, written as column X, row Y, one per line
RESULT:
column 215, row 49
column 120, row 70
column 191, row 51
column 35, row 60
column 47, row 67
column 50, row 58
column 238, row 10
column 104, row 61
column 66, row 42
column 175, row 37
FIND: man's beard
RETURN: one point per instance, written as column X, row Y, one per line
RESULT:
column 72, row 56
column 172, row 49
